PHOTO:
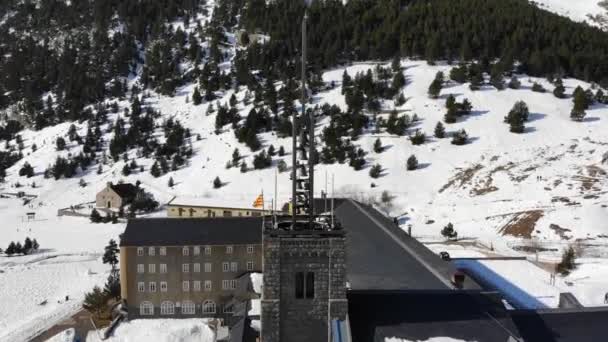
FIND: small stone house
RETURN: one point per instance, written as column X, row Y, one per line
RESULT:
column 114, row 196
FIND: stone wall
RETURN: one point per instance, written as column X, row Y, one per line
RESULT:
column 287, row 318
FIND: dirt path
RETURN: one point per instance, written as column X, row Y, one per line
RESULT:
column 80, row 322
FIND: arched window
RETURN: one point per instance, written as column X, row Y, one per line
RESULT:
column 208, row 307
column 188, row 308
column 167, row 308
column 146, row 309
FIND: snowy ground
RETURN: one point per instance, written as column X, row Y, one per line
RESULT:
column 579, row 10
column 160, row 330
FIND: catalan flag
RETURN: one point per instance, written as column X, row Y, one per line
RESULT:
column 259, row 202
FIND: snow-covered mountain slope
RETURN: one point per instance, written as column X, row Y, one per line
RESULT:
column 548, row 183
column 593, row 11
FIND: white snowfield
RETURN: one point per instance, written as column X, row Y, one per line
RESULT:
column 577, row 10
column 160, row 330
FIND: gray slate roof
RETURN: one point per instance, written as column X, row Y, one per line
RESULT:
column 381, row 256
column 192, row 231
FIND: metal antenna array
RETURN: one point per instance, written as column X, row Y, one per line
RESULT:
column 302, row 199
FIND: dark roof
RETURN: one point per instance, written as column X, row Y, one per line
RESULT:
column 192, row 231
column 381, row 256
column 468, row 316
column 125, row 190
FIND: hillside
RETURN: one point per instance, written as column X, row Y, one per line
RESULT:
column 506, row 192
column 593, row 11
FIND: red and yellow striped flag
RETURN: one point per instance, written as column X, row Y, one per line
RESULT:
column 259, row 202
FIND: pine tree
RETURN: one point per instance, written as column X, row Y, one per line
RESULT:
column 538, row 88
column 35, row 245
column 514, row 83
column 18, row 248
column 496, row 77
column 110, row 254
column 112, row 286
column 517, row 117
column 217, row 183
column 26, row 170
column 155, row 170
column 439, row 130
column 244, row 167
column 281, row 151
column 580, row 104
column 95, row 216
column 449, row 232
column 418, row 138
column 396, row 63
column 197, row 99
column 435, row 88
column 126, row 170
column 460, row 138
column 11, row 249
column 412, row 163
column 375, row 171
column 171, row 183
column 560, row 90
column 568, row 262
column 60, row 142
column 95, row 301
column 451, row 115
column 282, row 166
column 378, row 146
column 27, row 246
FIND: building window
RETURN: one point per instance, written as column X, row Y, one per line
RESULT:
column 167, row 308
column 140, row 268
column 310, row 285
column 140, row 251
column 249, row 265
column 207, row 267
column 152, row 287
column 234, row 267
column 229, row 284
column 151, row 268
column 141, row 287
column 209, row 307
column 151, row 251
column 227, row 213
column 225, row 266
column 162, row 251
column 188, row 308
column 197, row 285
column 228, row 308
column 163, row 286
column 163, row 268
column 249, row 249
column 208, row 285
column 185, row 268
column 186, row 286
column 185, row 251
column 197, row 250
column 146, row 309
column 207, row 250
column 300, row 285
column 229, row 249
column 197, row 268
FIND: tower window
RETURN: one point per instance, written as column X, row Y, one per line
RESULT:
column 300, row 285
column 310, row 285
column 305, row 285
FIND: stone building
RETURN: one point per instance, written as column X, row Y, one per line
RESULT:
column 304, row 284
column 207, row 207
column 116, row 195
column 187, row 267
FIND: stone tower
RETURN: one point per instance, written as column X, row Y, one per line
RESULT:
column 304, row 284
